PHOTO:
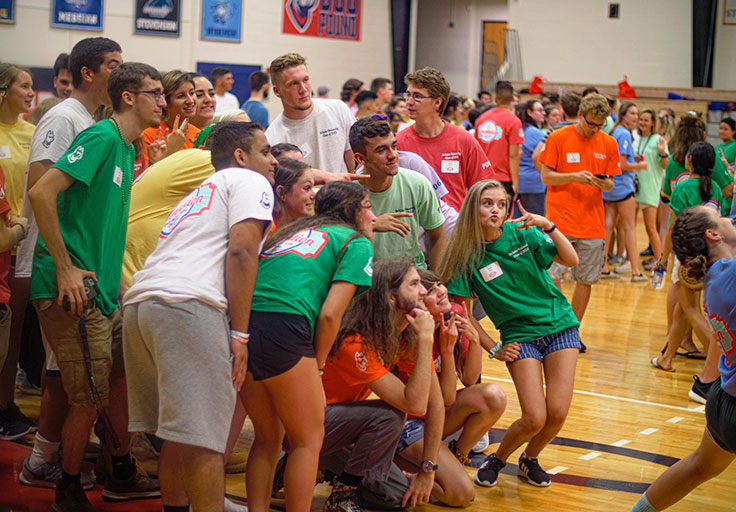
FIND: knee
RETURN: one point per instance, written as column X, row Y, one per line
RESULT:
column 493, row 398
column 533, row 423
column 556, row 418
column 310, row 437
column 460, row 494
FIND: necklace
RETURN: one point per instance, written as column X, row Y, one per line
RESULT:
column 127, row 164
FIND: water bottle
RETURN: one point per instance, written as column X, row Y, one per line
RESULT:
column 658, row 276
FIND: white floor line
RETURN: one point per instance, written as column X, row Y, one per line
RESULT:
column 649, row 431
column 589, row 456
column 700, row 409
column 556, row 469
column 622, row 442
column 675, row 419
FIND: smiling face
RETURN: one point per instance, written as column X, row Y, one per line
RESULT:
column 63, row 84
column 294, row 88
column 381, row 157
column 646, row 123
column 725, row 133
column 182, row 102
column 19, row 96
column 494, row 207
column 299, row 200
column 204, row 97
column 436, row 300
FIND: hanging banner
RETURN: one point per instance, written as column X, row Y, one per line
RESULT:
column 729, row 12
column 7, row 11
column 333, row 19
column 157, row 17
column 221, row 20
column 77, row 14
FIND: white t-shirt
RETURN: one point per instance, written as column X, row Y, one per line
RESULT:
column 323, row 136
column 53, row 136
column 189, row 260
column 227, row 101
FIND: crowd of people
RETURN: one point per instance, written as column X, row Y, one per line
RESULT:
column 190, row 262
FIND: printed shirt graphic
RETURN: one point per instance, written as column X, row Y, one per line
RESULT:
column 718, row 297
column 189, row 260
column 496, row 130
column 349, row 371
column 687, row 194
column 311, row 260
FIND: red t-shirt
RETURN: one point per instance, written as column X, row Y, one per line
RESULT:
column 455, row 156
column 495, row 131
column 348, row 372
column 577, row 210
column 4, row 256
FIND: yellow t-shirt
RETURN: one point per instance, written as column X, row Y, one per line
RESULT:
column 15, row 148
column 155, row 193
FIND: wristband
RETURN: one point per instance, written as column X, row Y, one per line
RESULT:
column 550, row 230
column 493, row 350
column 241, row 337
column 662, row 156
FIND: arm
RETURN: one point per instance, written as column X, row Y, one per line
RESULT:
column 552, row 177
column 626, row 166
column 514, row 165
column 43, row 198
column 323, row 177
column 471, row 367
column 10, row 236
column 508, row 352
column 241, row 268
column 566, row 254
column 535, row 156
column 36, row 170
column 329, row 318
column 448, row 337
column 349, row 160
column 437, row 243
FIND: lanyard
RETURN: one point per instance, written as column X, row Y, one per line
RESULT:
column 639, row 150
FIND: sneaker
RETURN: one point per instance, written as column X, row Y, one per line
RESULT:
column 236, row 462
column 48, row 474
column 72, row 499
column 482, row 444
column 136, row 487
column 615, row 259
column 699, row 391
column 534, row 474
column 623, row 268
column 640, row 278
column 12, row 412
column 29, row 388
column 343, row 498
column 608, row 275
column 583, row 348
column 647, row 252
column 11, row 430
column 649, row 264
column 487, row 475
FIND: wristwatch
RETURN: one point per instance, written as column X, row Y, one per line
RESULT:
column 550, row 230
column 428, row 466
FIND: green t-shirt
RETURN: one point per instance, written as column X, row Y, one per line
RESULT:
column 687, row 193
column 650, row 179
column 514, row 288
column 409, row 192
column 729, row 151
column 93, row 213
column 295, row 276
column 202, row 135
column 677, row 173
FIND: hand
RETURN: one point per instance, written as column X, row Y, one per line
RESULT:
column 422, row 322
column 661, row 146
column 71, row 285
column 390, row 223
column 240, row 362
column 508, row 352
column 420, row 488
column 724, row 160
column 448, row 336
column 602, row 184
column 176, row 139
column 530, row 220
column 584, row 178
column 345, row 176
column 465, row 327
column 641, row 166
column 19, row 221
column 157, row 148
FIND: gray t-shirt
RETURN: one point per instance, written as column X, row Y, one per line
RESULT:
column 53, row 135
column 323, row 136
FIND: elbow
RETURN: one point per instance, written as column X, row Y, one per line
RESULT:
column 573, row 260
column 419, row 410
column 241, row 255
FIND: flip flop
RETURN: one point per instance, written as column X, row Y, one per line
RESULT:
column 658, row 366
column 693, row 354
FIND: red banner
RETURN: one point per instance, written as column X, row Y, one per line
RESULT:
column 333, row 19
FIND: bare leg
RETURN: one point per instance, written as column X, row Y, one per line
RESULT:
column 710, row 368
column 476, row 410
column 674, row 335
column 193, row 471
column 690, row 303
column 610, row 222
column 580, row 299
column 170, row 478
column 21, row 288
column 74, row 437
column 54, row 407
column 650, row 222
column 236, row 426
column 627, row 221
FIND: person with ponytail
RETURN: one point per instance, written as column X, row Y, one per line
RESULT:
column 698, row 189
column 293, row 324
column 705, row 243
column 293, row 188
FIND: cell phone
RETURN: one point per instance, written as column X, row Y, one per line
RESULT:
column 601, row 176
column 90, row 288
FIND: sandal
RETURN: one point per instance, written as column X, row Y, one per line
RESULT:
column 692, row 354
column 655, row 363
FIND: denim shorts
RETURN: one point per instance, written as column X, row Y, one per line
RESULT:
column 539, row 348
column 413, row 431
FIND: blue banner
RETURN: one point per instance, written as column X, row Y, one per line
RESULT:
column 221, row 20
column 7, row 11
column 77, row 14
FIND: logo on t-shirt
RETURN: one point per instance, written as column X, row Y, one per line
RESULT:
column 265, row 201
column 489, row 131
column 307, row 244
column 368, row 269
column 195, row 203
column 361, row 362
column 679, row 179
column 724, row 336
column 712, row 204
column 75, row 155
column 2, row 192
column 49, row 139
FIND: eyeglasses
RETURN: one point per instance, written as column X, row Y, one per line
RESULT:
column 3, row 90
column 594, row 125
column 155, row 93
column 415, row 96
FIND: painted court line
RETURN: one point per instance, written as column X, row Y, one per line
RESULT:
column 675, row 419
column 649, row 431
column 622, row 442
column 556, row 469
column 589, row 456
column 700, row 408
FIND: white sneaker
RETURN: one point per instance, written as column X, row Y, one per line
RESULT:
column 482, row 444
column 623, row 268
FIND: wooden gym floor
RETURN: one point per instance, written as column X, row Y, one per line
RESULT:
column 628, row 422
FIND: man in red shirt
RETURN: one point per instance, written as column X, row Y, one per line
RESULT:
column 499, row 133
column 578, row 162
column 451, row 151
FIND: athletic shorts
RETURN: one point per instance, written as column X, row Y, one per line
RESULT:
column 104, row 337
column 720, row 417
column 278, row 341
column 413, row 431
column 591, row 253
column 539, row 348
column 627, row 196
column 178, row 356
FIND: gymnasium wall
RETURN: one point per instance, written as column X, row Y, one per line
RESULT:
column 33, row 43
column 724, row 60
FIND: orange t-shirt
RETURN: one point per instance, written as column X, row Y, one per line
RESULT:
column 348, row 372
column 577, row 210
column 149, row 135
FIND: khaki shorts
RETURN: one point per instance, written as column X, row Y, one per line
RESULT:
column 591, row 253
column 104, row 336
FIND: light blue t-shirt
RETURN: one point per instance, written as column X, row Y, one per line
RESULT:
column 623, row 184
column 257, row 112
column 720, row 305
column 530, row 181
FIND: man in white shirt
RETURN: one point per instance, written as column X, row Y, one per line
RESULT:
column 319, row 127
column 223, row 80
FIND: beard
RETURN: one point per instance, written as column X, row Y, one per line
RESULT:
column 405, row 304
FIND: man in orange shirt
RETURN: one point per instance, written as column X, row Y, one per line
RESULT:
column 577, row 164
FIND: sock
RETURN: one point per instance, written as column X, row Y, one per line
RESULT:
column 122, row 467
column 174, row 508
column 643, row 505
column 67, row 480
column 43, row 451
column 231, row 506
column 349, row 480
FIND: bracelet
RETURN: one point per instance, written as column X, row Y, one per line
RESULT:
column 23, row 230
column 493, row 350
column 550, row 230
column 662, row 156
column 321, row 371
column 241, row 337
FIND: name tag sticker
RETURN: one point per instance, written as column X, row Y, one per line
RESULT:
column 117, row 176
column 4, row 152
column 451, row 166
column 491, row 272
column 573, row 158
column 306, row 149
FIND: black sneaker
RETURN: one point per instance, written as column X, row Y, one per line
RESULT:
column 72, row 499
column 11, row 429
column 138, row 486
column 583, row 348
column 647, row 252
column 489, row 470
column 699, row 391
column 343, row 498
column 12, row 412
column 534, row 474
